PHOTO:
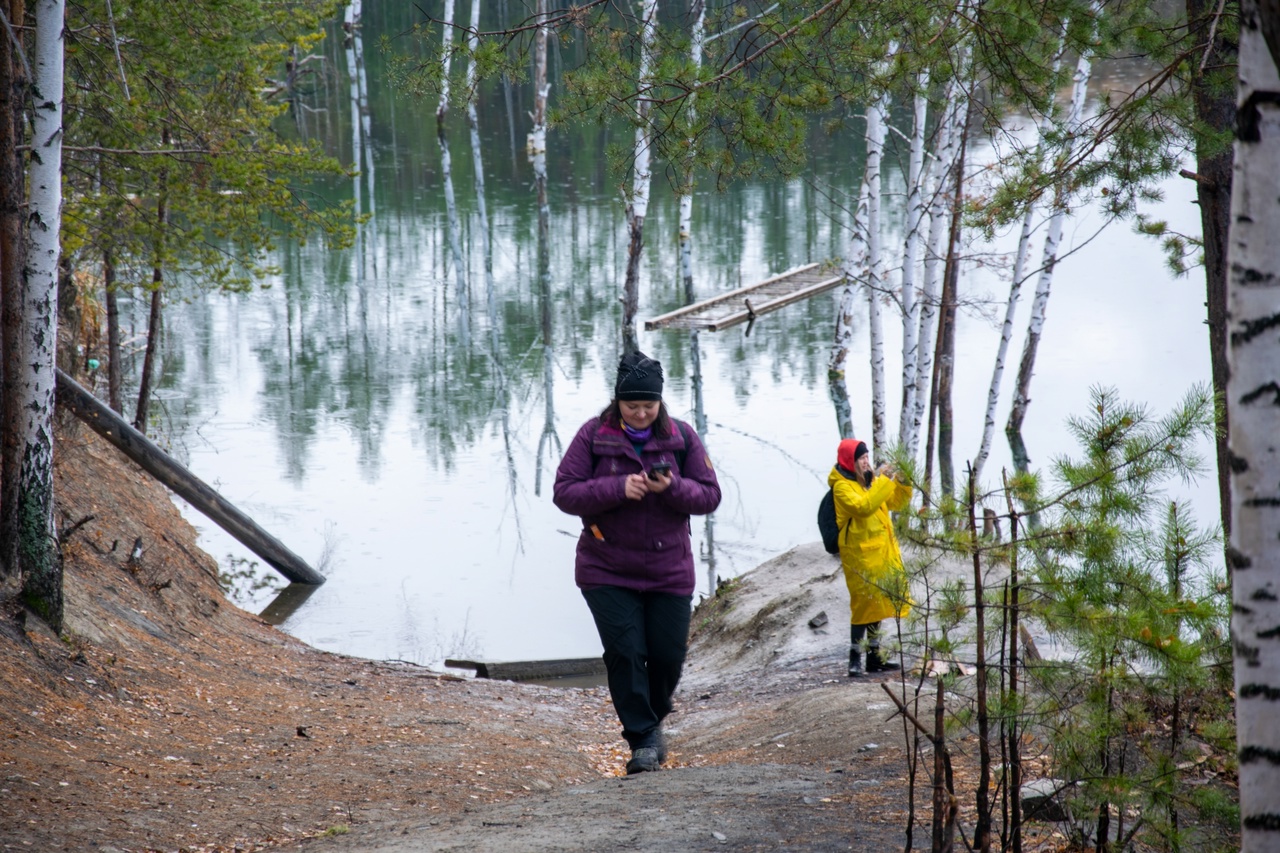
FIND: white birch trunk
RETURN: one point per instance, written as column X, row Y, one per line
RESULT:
column 446, row 27
column 366, row 129
column 1253, row 403
column 911, row 258
column 477, row 162
column 1049, row 259
column 536, row 143
column 685, row 236
column 642, row 174
column 43, row 581
column 643, row 171
column 446, row 173
column 357, row 139
column 857, row 271
column 946, row 151
column 874, row 279
column 1011, row 306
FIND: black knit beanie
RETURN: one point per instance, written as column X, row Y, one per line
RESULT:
column 639, row 378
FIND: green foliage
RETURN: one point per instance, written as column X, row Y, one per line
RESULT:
column 188, row 118
column 1125, row 581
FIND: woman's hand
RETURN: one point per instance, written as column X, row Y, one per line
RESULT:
column 659, row 482
column 637, row 486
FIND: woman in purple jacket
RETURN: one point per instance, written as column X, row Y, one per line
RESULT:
column 635, row 475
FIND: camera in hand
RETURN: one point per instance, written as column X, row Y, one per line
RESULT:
column 663, row 468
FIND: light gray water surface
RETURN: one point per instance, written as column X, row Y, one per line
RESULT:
column 404, row 437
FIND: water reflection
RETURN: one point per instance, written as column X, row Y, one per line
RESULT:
column 364, row 400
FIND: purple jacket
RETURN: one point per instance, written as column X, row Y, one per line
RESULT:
column 643, row 544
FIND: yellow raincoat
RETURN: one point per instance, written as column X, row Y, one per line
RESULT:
column 869, row 552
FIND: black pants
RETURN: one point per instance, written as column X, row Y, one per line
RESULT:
column 870, row 630
column 645, row 636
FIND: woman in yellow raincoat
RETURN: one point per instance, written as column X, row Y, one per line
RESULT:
column 869, row 552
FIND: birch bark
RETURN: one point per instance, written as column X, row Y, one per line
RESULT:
column 446, row 172
column 1011, row 305
column 638, row 203
column 1253, row 403
column 364, row 114
column 1035, row 326
column 42, row 568
column 874, row 279
column 911, row 257
column 945, row 152
column 685, row 237
column 477, row 162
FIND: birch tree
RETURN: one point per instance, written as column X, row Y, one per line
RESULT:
column 1049, row 261
column 1253, row 402
column 642, row 174
column 37, row 541
column 874, row 264
column 477, row 161
column 1020, row 257
column 911, row 254
column 684, row 237
column 446, row 173
column 946, row 150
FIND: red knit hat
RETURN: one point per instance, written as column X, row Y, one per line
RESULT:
column 848, row 452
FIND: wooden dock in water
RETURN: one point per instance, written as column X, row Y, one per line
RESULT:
column 747, row 303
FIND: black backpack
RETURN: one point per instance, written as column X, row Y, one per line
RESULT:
column 827, row 520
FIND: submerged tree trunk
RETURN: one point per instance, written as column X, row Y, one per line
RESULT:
column 477, row 162
column 1215, row 107
column 1253, row 401
column 642, row 173
column 856, row 273
column 446, row 172
column 37, row 538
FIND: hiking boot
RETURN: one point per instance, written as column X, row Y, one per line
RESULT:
column 855, row 663
column 661, row 746
column 875, row 663
column 643, row 760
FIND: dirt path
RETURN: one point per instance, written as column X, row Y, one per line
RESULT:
column 167, row 719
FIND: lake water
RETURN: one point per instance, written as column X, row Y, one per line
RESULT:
column 352, row 412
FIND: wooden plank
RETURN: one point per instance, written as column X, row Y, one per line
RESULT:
column 164, row 468
column 698, row 307
column 781, row 302
column 531, row 670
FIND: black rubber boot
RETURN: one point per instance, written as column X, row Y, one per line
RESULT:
column 643, row 760
column 855, row 663
column 876, row 663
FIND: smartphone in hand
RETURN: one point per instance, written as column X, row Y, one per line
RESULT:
column 663, row 468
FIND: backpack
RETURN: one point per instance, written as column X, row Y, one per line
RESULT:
column 827, row 525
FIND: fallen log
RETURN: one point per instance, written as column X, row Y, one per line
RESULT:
column 195, row 491
column 532, row 670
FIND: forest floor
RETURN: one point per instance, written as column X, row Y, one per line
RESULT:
column 167, row 719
